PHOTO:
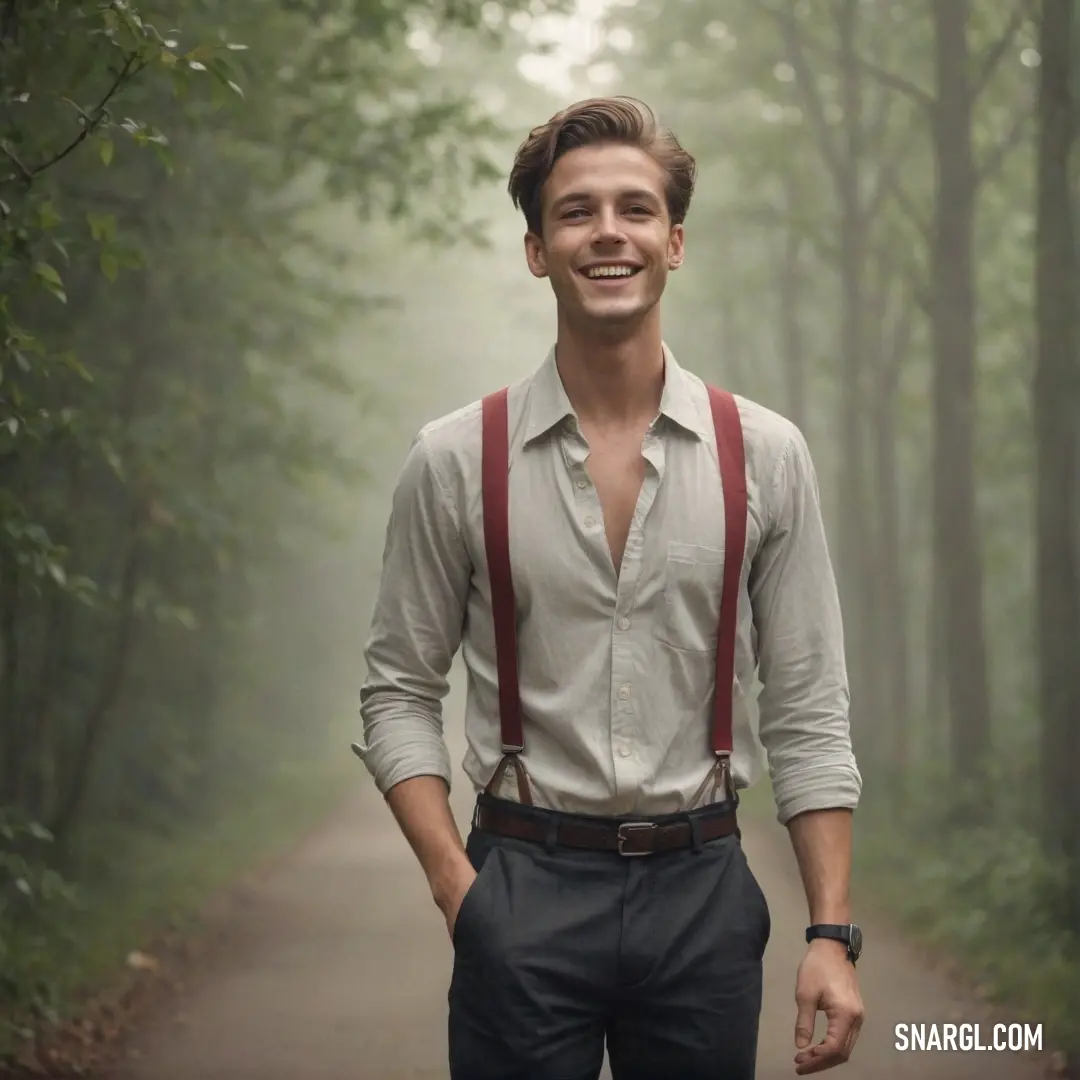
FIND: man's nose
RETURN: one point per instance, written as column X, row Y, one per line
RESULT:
column 608, row 228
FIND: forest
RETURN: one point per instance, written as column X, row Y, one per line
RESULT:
column 891, row 245
column 216, row 332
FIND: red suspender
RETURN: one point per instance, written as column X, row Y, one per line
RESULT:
column 495, row 471
column 495, row 477
column 732, row 457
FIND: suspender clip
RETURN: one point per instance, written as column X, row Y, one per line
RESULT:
column 724, row 779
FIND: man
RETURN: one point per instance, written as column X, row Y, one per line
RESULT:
column 603, row 539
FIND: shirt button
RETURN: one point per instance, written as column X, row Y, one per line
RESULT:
column 624, row 623
column 624, row 692
column 590, row 522
column 624, row 751
column 582, row 485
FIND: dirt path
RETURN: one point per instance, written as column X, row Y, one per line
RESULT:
column 339, row 967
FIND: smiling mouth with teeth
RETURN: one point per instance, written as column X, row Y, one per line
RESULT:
column 594, row 272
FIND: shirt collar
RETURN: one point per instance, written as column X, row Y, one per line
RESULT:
column 548, row 404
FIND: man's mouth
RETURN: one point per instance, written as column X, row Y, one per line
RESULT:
column 595, row 273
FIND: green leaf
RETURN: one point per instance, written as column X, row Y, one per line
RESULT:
column 72, row 362
column 47, row 215
column 106, row 149
column 102, row 226
column 113, row 458
column 110, row 265
column 52, row 281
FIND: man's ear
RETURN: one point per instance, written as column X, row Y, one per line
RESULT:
column 676, row 247
column 535, row 255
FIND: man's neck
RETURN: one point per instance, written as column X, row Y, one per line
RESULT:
column 612, row 381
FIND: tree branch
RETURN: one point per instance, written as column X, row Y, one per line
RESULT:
column 903, row 263
column 995, row 158
column 893, row 185
column 90, row 123
column 811, row 97
column 773, row 217
column 887, row 179
column 903, row 325
column 887, row 78
column 994, row 54
column 878, row 121
column 24, row 173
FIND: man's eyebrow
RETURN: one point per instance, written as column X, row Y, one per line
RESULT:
column 640, row 194
column 572, row 196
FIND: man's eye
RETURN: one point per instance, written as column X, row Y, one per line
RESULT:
column 640, row 210
column 576, row 210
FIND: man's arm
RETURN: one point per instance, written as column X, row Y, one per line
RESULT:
column 416, row 630
column 806, row 733
column 422, row 810
column 822, row 843
column 804, row 723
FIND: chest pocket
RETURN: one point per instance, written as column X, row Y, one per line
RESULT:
column 693, row 578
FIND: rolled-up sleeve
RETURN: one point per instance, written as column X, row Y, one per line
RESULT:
column 804, row 717
column 416, row 627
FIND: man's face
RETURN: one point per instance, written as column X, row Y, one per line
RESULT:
column 608, row 241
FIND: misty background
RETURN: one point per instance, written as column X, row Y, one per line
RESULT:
column 247, row 251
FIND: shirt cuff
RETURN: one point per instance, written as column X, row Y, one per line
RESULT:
column 398, row 759
column 833, row 786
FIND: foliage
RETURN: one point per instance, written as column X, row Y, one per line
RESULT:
column 963, row 892
column 170, row 422
column 830, row 225
column 34, row 900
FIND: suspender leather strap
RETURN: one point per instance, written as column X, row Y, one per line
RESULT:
column 731, row 454
column 495, row 478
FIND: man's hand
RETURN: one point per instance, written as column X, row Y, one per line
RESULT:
column 826, row 982
column 450, row 890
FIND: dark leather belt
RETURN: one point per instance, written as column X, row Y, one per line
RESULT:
column 620, row 836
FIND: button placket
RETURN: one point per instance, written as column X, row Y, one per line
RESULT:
column 625, row 729
column 587, row 509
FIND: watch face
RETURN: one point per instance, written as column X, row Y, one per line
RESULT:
column 855, row 943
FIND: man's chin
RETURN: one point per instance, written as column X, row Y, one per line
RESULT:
column 616, row 313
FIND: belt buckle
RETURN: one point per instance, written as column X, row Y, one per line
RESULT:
column 628, row 827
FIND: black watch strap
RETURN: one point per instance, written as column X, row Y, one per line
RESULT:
column 848, row 933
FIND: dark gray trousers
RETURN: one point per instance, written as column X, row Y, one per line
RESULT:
column 556, row 950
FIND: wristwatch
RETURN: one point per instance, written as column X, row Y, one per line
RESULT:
column 848, row 933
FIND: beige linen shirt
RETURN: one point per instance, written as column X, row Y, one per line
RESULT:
column 616, row 670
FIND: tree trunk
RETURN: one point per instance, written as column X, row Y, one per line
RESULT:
column 1056, row 402
column 958, row 564
column 855, row 569
column 890, row 564
column 793, row 351
column 111, row 682
column 14, row 749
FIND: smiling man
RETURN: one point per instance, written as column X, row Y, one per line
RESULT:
column 618, row 548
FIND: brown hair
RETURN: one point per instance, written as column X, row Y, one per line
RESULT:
column 591, row 122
